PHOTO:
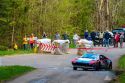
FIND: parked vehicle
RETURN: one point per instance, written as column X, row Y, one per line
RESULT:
column 119, row 30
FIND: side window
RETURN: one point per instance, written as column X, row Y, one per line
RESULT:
column 101, row 57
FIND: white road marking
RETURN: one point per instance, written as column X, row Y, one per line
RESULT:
column 107, row 78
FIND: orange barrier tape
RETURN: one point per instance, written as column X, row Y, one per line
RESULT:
column 92, row 48
column 106, row 49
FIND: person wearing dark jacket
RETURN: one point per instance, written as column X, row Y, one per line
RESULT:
column 93, row 36
column 86, row 34
column 44, row 35
column 65, row 36
column 106, row 38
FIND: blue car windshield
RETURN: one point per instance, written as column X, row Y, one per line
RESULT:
column 89, row 55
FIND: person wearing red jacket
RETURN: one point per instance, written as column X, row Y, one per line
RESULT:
column 31, row 41
column 116, row 39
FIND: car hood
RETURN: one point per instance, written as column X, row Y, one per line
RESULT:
column 84, row 60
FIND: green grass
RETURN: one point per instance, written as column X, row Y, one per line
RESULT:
column 72, row 46
column 121, row 78
column 121, row 67
column 121, row 63
column 10, row 72
column 12, row 52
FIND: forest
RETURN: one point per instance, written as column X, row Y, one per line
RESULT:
column 23, row 17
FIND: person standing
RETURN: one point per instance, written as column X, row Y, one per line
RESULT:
column 86, row 34
column 101, row 38
column 44, row 35
column 57, row 36
column 31, row 41
column 25, row 42
column 15, row 46
column 121, row 40
column 93, row 36
column 116, row 39
column 75, row 38
column 106, row 38
column 65, row 36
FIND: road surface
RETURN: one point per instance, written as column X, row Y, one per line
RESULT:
column 58, row 69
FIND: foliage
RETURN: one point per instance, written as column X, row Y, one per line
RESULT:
column 122, row 78
column 72, row 45
column 23, row 17
column 3, row 48
column 9, row 72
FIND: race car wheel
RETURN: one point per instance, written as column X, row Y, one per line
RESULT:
column 97, row 67
column 110, row 66
column 74, row 68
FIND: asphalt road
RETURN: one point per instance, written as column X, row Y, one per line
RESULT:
column 58, row 69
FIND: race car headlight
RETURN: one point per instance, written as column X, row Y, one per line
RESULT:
column 74, row 60
column 92, row 62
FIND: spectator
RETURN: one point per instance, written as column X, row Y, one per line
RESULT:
column 116, row 39
column 31, row 41
column 101, row 38
column 15, row 46
column 97, row 34
column 75, row 38
column 111, row 38
column 121, row 40
column 25, row 42
column 86, row 34
column 57, row 36
column 93, row 36
column 65, row 36
column 106, row 38
column 44, row 35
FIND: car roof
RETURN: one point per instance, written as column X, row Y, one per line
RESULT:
column 119, row 29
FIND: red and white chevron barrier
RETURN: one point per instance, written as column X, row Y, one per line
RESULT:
column 47, row 47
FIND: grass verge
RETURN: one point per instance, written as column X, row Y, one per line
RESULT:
column 121, row 63
column 10, row 72
column 72, row 45
column 120, row 72
column 12, row 52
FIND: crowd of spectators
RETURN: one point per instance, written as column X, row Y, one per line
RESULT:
column 104, row 39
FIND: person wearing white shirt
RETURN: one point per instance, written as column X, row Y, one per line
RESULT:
column 75, row 38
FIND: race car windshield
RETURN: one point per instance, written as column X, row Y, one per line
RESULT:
column 91, row 56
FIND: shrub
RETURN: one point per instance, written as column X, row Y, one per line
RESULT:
column 3, row 48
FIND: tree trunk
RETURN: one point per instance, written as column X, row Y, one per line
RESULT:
column 12, row 38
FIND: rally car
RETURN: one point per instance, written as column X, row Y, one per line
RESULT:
column 92, row 61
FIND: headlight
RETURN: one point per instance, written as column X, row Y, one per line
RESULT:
column 74, row 60
column 92, row 62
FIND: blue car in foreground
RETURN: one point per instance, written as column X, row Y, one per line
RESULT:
column 92, row 61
